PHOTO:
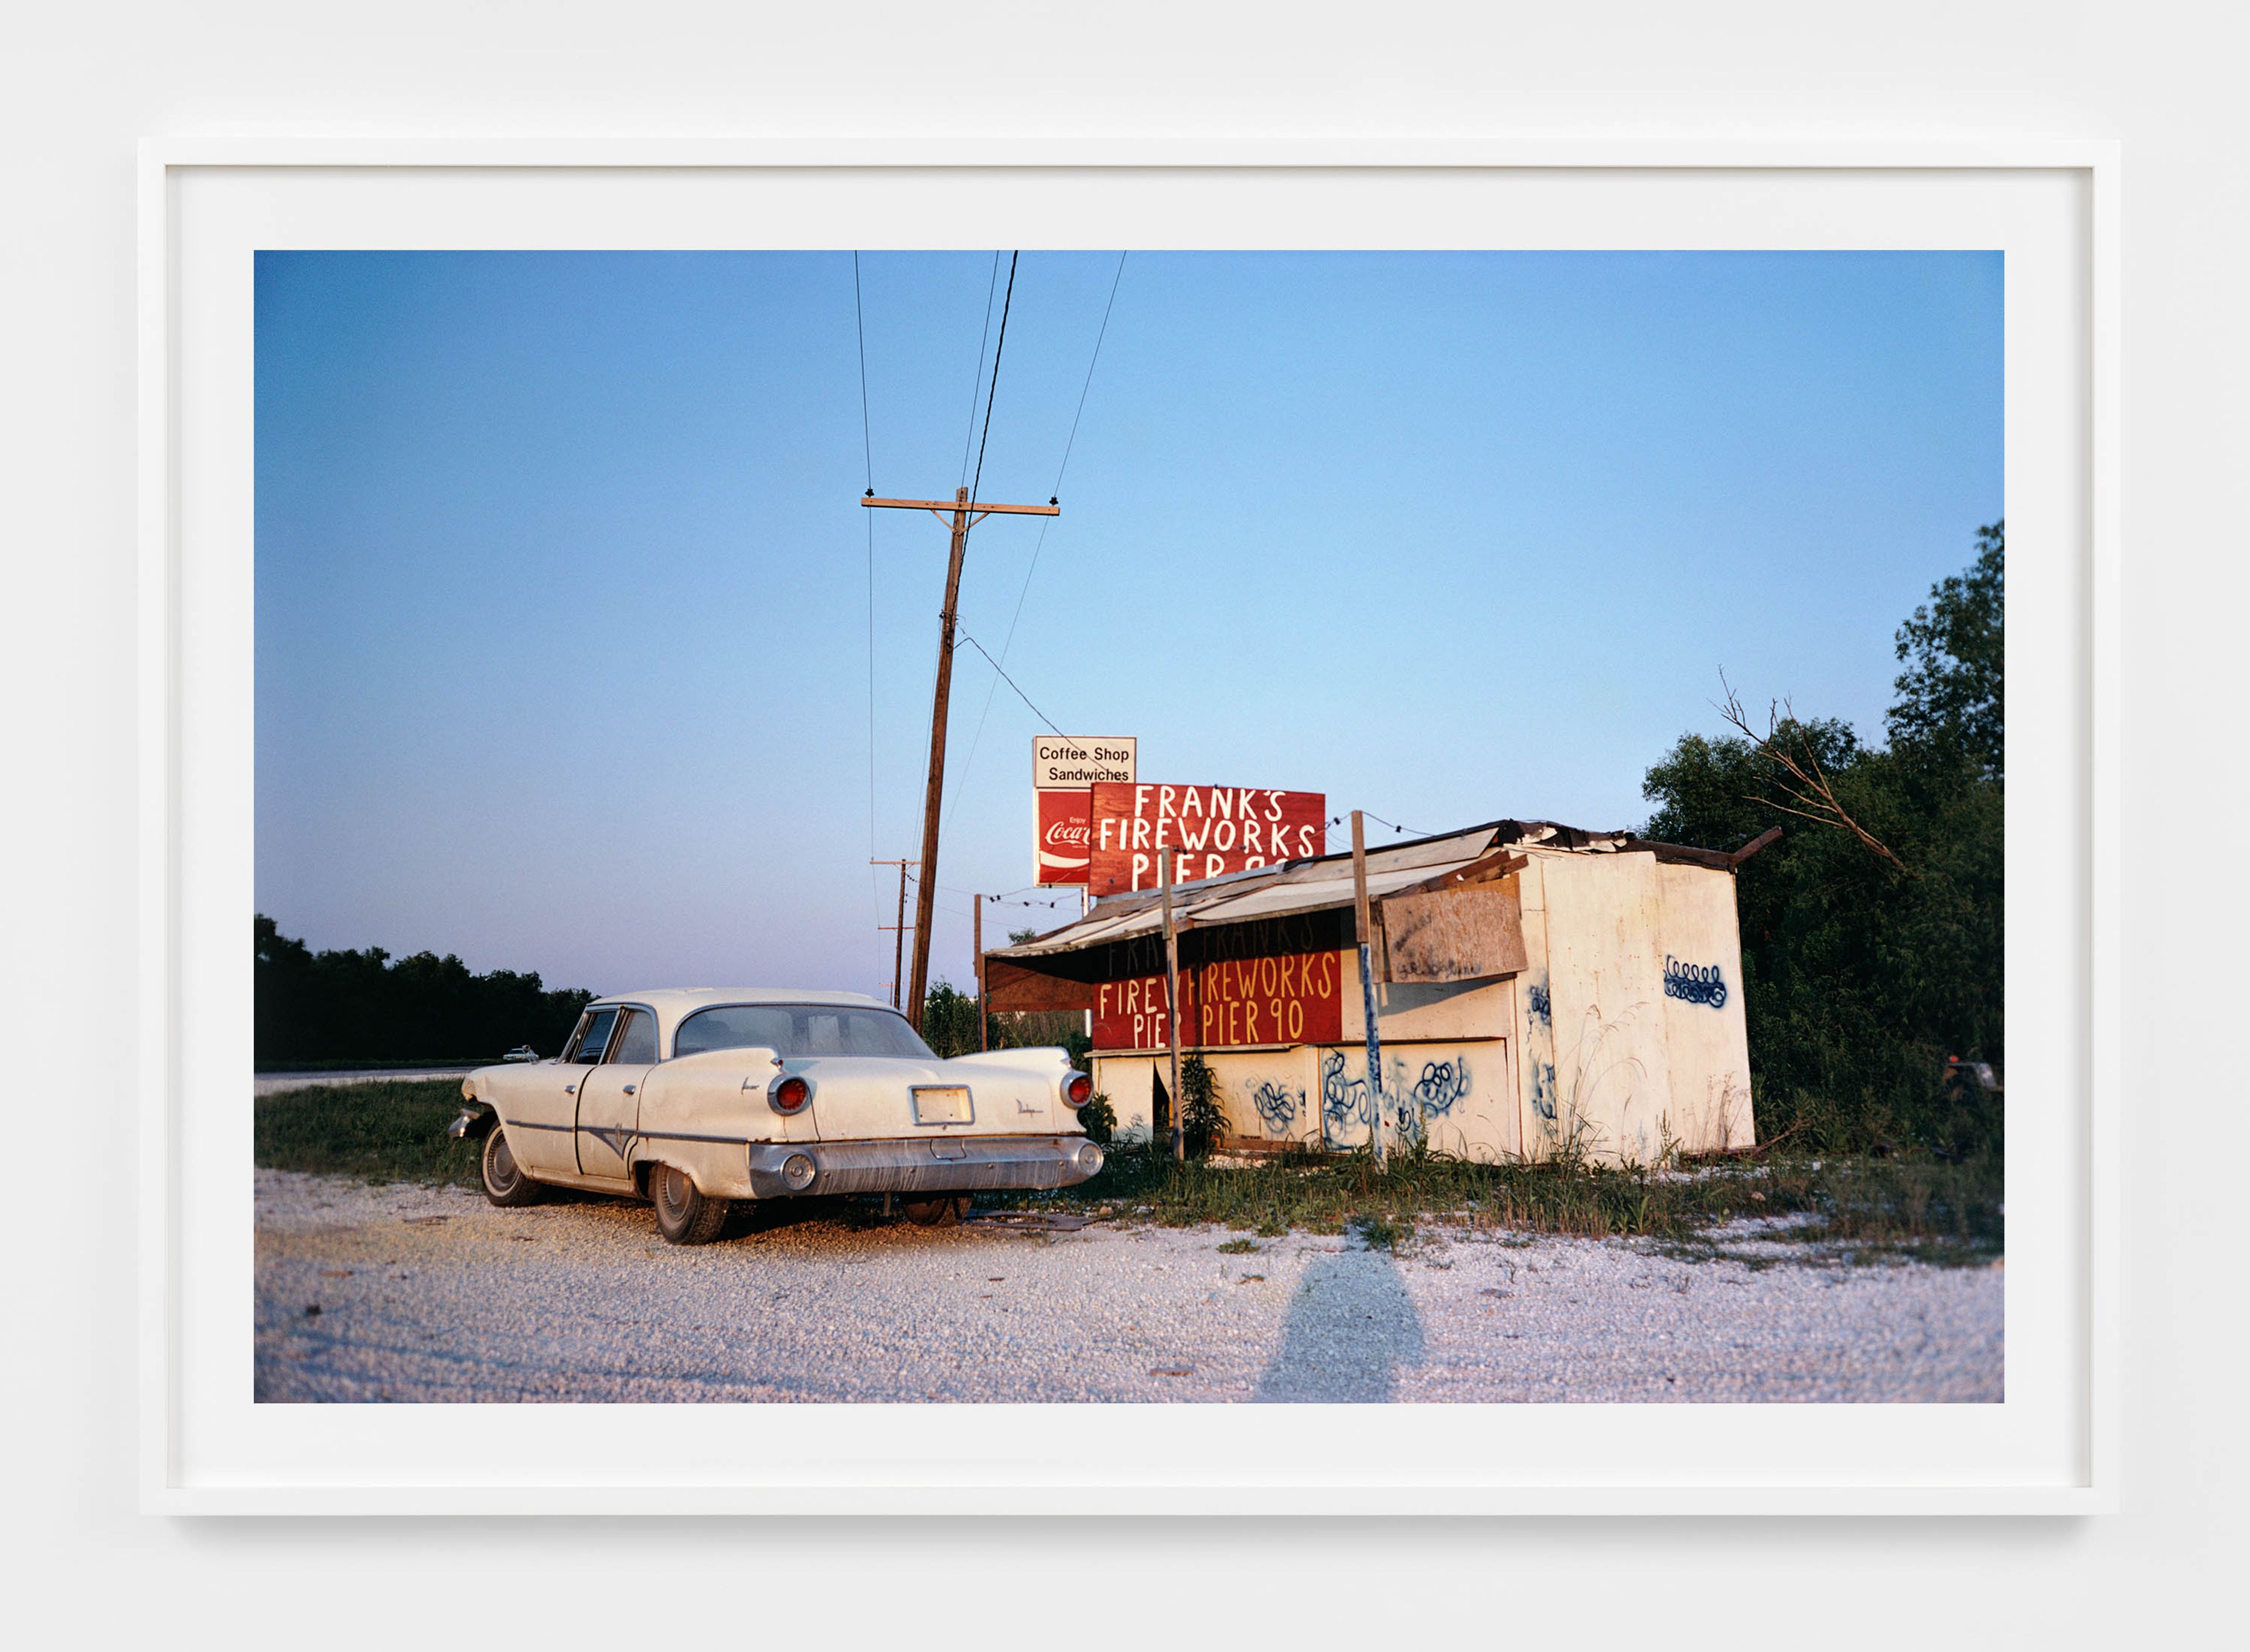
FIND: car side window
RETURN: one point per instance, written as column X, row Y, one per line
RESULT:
column 635, row 1040
column 593, row 1036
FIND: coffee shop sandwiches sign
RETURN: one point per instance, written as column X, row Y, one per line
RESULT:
column 1064, row 770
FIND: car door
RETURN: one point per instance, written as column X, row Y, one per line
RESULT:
column 609, row 1096
column 542, row 1110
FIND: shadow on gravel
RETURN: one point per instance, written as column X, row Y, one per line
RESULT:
column 1351, row 1327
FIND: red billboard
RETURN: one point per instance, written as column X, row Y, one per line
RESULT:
column 1066, row 834
column 1215, row 829
column 1296, row 998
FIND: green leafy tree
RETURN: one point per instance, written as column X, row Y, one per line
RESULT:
column 348, row 1006
column 949, row 1020
column 1863, row 973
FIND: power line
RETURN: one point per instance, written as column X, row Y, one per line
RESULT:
column 1338, row 820
column 867, row 447
column 978, row 377
column 859, row 320
column 1008, row 642
column 999, row 345
column 1088, row 385
column 1010, row 682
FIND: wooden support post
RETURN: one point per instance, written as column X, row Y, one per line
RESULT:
column 1172, row 1000
column 963, row 514
column 1367, row 983
column 976, row 931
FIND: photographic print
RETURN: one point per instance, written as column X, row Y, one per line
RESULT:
column 1160, row 825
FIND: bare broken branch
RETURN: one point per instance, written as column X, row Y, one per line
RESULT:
column 1807, row 781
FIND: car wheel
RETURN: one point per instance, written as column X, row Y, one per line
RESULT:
column 685, row 1215
column 933, row 1213
column 504, row 1183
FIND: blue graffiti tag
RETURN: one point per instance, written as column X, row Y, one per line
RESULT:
column 1543, row 1089
column 1443, row 1083
column 1694, row 983
column 1542, row 1006
column 1343, row 1101
column 1276, row 1105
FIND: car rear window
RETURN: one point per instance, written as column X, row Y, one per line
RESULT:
column 799, row 1029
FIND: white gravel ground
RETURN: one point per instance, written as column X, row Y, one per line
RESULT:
column 429, row 1294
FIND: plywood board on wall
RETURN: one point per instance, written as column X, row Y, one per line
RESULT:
column 1454, row 934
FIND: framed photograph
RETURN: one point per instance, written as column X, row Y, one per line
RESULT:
column 1517, row 989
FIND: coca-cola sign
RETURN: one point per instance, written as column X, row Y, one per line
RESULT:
column 1063, row 771
column 1066, row 836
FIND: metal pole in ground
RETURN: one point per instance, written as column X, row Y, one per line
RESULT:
column 1366, row 982
column 1172, row 999
column 976, row 924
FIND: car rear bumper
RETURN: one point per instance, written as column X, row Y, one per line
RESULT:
column 959, row 1164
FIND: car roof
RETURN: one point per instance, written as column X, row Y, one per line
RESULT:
column 674, row 1004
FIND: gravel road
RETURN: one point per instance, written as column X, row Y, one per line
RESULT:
column 428, row 1294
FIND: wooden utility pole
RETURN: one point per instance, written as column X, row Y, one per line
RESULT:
column 898, row 946
column 1172, row 1001
column 977, row 939
column 963, row 515
column 1367, row 984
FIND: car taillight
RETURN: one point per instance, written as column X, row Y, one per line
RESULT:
column 789, row 1094
column 1080, row 1090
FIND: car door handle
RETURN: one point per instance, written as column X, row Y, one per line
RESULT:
column 630, row 1089
column 570, row 1089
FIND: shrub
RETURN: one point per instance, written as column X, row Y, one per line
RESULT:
column 1202, row 1120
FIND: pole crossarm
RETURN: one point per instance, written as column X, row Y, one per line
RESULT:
column 946, row 507
column 958, row 514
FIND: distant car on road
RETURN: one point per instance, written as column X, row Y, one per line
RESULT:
column 700, row 1099
column 521, row 1052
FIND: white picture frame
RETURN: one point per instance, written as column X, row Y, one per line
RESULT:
column 2051, row 1447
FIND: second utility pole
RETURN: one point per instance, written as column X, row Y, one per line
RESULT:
column 963, row 513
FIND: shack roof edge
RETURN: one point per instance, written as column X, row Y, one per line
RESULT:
column 1204, row 901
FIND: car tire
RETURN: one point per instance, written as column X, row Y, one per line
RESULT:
column 504, row 1183
column 685, row 1215
column 936, row 1213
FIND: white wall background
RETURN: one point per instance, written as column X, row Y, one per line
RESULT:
column 79, row 85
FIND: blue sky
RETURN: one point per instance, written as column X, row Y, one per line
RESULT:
column 563, row 586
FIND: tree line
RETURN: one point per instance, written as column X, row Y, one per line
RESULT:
column 1873, row 929
column 367, row 1006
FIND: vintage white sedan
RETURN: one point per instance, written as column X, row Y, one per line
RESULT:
column 702, row 1098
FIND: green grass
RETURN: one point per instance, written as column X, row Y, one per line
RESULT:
column 387, row 1130
column 1926, row 1207
column 383, row 1130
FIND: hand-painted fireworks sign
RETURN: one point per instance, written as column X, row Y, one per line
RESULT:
column 1296, row 998
column 1063, row 771
column 1215, row 829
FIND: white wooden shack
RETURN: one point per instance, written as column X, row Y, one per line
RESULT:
column 1539, row 986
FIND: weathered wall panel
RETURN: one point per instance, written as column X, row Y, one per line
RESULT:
column 1707, row 1036
column 1612, row 1088
column 1466, row 1091
column 1437, row 1010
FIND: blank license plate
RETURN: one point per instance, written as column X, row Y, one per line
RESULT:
column 941, row 1104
